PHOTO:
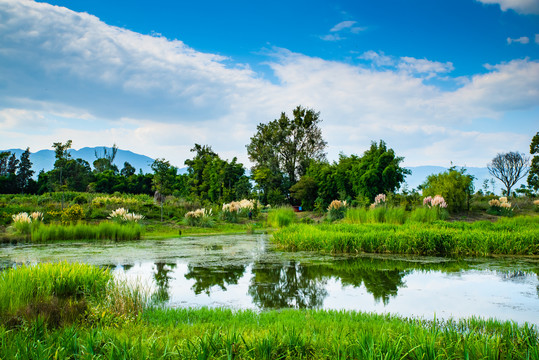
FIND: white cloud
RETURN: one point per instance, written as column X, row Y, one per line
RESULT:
column 342, row 27
column 408, row 64
column 67, row 75
column 424, row 66
column 520, row 6
column 378, row 59
column 522, row 40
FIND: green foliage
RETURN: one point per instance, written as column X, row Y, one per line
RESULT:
column 533, row 176
column 215, row 180
column 281, row 217
column 305, row 191
column 455, row 186
column 282, row 149
column 103, row 231
column 284, row 334
column 428, row 215
column 72, row 214
column 378, row 172
column 511, row 236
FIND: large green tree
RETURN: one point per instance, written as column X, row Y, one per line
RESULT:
column 213, row 179
column 25, row 172
column 282, row 149
column 378, row 171
column 533, row 177
column 163, row 179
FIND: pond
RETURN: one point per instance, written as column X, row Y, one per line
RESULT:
column 245, row 271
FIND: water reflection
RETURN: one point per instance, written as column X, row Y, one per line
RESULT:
column 288, row 285
column 207, row 277
column 246, row 272
column 163, row 274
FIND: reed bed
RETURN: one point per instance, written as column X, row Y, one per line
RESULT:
column 511, row 236
column 281, row 217
column 103, row 231
column 393, row 215
column 289, row 334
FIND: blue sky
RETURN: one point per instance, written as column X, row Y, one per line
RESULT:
column 440, row 81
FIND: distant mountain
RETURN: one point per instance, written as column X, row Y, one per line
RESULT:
column 44, row 159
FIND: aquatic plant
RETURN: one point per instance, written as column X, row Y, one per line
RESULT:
column 436, row 238
column 103, row 231
column 281, row 217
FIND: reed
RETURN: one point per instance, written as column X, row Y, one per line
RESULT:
column 103, row 231
column 281, row 217
column 514, row 236
column 288, row 334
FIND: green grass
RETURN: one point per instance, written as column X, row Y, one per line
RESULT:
column 115, row 322
column 281, row 217
column 515, row 236
column 393, row 215
column 103, row 231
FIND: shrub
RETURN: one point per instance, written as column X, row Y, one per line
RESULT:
column 123, row 216
column 199, row 217
column 500, row 207
column 336, row 210
column 73, row 213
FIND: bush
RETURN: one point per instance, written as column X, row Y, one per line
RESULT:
column 73, row 213
column 336, row 210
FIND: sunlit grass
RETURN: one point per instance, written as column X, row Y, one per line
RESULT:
column 516, row 236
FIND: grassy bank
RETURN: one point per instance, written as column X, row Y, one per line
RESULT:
column 514, row 236
column 103, row 231
column 108, row 320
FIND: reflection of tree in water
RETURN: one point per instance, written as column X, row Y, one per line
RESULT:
column 288, row 285
column 162, row 279
column 299, row 286
column 126, row 267
column 382, row 284
column 207, row 277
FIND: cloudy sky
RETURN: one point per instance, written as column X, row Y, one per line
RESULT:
column 440, row 81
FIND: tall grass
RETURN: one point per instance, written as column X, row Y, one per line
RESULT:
column 393, row 215
column 103, row 231
column 517, row 236
column 288, row 334
column 281, row 217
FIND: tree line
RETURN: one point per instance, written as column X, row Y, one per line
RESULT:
column 289, row 167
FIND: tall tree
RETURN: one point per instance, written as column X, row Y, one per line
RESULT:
column 25, row 172
column 12, row 164
column 127, row 170
column 4, row 157
column 378, row 171
column 105, row 161
column 283, row 149
column 533, row 177
column 509, row 168
column 163, row 179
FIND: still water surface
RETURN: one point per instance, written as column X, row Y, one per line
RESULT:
column 245, row 271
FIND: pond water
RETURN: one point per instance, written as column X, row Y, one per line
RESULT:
column 245, row 271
